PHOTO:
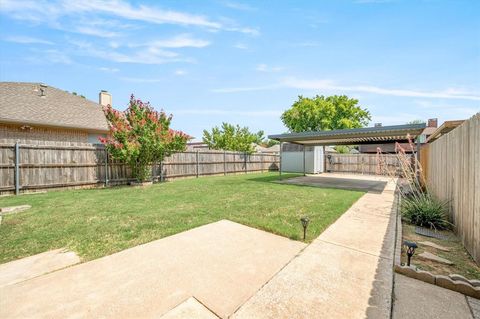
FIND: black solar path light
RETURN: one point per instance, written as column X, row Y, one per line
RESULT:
column 305, row 222
column 410, row 248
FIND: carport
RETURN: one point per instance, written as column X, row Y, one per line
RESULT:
column 357, row 136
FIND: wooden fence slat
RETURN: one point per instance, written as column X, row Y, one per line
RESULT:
column 453, row 175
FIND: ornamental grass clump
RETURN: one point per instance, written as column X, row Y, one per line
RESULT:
column 418, row 206
column 140, row 136
column 426, row 211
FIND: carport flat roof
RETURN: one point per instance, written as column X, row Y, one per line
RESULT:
column 365, row 135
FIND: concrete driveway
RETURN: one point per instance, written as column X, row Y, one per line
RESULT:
column 221, row 265
column 364, row 183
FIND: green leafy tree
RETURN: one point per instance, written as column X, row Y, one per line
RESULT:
column 325, row 113
column 343, row 149
column 140, row 136
column 232, row 138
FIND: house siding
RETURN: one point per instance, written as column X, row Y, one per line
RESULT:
column 42, row 136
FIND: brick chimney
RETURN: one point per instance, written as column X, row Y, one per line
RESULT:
column 104, row 98
column 432, row 122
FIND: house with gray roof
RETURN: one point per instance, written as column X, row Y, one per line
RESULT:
column 35, row 113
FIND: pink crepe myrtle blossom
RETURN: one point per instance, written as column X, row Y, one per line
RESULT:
column 140, row 136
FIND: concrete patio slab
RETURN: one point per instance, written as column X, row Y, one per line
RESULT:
column 417, row 299
column 190, row 308
column 345, row 273
column 375, row 184
column 222, row 264
column 33, row 266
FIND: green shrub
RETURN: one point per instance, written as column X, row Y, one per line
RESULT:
column 426, row 211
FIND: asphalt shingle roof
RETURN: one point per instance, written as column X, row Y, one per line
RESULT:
column 23, row 103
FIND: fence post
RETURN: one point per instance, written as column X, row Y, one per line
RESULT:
column 106, row 167
column 17, row 169
column 196, row 154
column 161, row 171
column 261, row 162
column 224, row 163
column 245, row 160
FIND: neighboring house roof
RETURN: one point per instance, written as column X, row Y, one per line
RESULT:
column 429, row 130
column 446, row 127
column 272, row 149
column 330, row 149
column 23, row 103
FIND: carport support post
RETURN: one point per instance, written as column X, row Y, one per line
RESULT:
column 324, row 160
column 17, row 168
column 280, row 161
column 304, row 171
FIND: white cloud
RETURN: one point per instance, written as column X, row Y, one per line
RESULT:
column 113, row 70
column 142, row 13
column 179, row 41
column 265, row 68
column 96, row 32
column 49, row 56
column 295, row 83
column 448, row 110
column 27, row 40
column 52, row 11
column 240, row 46
column 329, row 85
column 238, row 6
column 149, row 54
column 246, row 30
column 180, row 72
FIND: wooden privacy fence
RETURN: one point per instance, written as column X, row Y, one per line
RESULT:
column 36, row 167
column 362, row 163
column 454, row 175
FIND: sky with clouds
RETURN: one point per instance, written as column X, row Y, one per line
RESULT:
column 246, row 62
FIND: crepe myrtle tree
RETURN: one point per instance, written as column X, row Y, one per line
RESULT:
column 140, row 136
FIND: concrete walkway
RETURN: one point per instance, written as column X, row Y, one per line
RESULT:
column 415, row 299
column 221, row 264
column 36, row 265
column 345, row 273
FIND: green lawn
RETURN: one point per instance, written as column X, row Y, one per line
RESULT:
column 99, row 222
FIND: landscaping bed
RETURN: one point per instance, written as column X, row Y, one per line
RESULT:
column 98, row 222
column 463, row 264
